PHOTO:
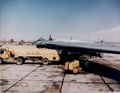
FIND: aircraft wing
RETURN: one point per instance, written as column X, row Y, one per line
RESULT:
column 80, row 46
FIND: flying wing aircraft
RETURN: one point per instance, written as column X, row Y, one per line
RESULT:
column 75, row 50
column 80, row 46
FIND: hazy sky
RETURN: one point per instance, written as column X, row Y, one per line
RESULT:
column 32, row 19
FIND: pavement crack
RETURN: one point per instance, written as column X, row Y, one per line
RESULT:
column 106, row 84
column 21, row 79
column 62, row 82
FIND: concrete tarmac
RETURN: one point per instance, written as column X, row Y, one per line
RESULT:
column 102, row 75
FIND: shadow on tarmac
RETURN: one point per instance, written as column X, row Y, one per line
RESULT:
column 52, row 63
column 102, row 70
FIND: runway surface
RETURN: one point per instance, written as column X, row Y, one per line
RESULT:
column 102, row 75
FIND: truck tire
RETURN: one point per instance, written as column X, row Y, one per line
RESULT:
column 20, row 61
column 45, row 61
column 76, row 70
column 1, row 60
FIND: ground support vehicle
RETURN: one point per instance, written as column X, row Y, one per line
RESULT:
column 73, row 66
column 20, row 54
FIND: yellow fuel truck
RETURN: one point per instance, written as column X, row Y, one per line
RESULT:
column 20, row 54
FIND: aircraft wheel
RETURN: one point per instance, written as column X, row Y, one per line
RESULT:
column 20, row 61
column 88, row 66
column 45, row 61
column 1, row 60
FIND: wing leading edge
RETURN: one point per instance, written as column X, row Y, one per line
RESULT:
column 80, row 46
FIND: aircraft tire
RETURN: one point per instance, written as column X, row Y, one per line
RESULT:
column 87, row 64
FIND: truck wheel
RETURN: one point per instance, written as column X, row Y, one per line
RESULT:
column 20, row 61
column 45, row 61
column 1, row 60
column 76, row 70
